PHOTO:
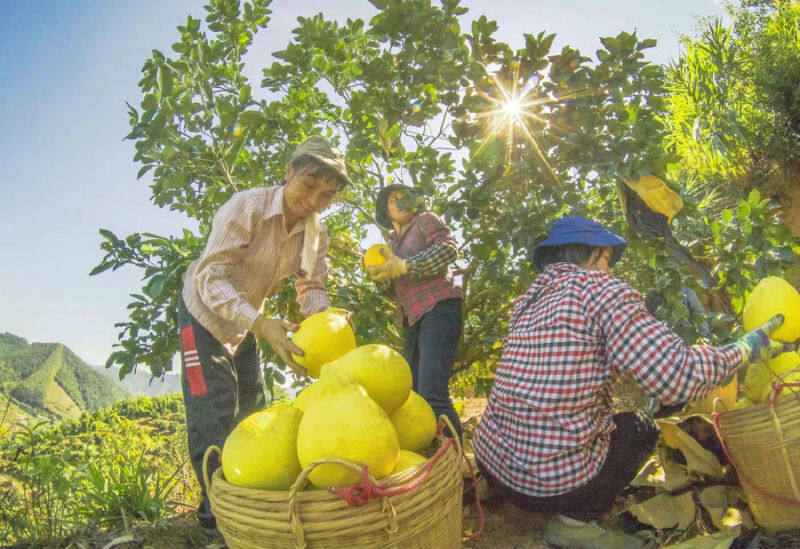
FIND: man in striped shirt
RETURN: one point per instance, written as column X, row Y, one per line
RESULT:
column 549, row 439
column 258, row 237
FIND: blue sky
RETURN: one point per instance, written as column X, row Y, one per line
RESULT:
column 67, row 69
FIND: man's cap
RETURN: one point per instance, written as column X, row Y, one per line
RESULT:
column 321, row 150
column 576, row 229
column 382, row 204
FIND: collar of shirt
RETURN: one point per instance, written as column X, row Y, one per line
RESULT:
column 395, row 239
column 551, row 272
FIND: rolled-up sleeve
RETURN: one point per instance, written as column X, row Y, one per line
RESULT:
column 312, row 296
column 654, row 355
column 232, row 230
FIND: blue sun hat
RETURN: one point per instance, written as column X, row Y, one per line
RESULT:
column 576, row 229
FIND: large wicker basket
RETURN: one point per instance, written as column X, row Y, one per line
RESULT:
column 763, row 444
column 417, row 508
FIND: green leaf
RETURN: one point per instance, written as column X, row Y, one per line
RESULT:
column 104, row 266
column 719, row 502
column 698, row 459
column 154, row 287
column 143, row 170
column 108, row 235
column 647, row 43
column 244, row 93
column 666, row 511
column 743, row 211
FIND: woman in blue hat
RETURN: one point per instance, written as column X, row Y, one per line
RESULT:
column 549, row 440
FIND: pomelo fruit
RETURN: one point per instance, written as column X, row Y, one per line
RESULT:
column 382, row 371
column 323, row 337
column 346, row 424
column 792, row 376
column 758, row 381
column 320, row 387
column 373, row 256
column 773, row 295
column 784, row 362
column 407, row 460
column 415, row 423
column 261, row 451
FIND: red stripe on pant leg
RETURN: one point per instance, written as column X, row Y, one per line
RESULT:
column 187, row 339
column 194, row 371
column 197, row 383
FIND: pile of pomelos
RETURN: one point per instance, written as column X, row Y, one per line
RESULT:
column 771, row 296
column 361, row 410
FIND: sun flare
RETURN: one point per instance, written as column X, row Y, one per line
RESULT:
column 511, row 107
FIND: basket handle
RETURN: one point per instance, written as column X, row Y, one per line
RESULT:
column 206, row 456
column 719, row 406
column 302, row 480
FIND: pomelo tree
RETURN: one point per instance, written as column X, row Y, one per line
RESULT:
column 499, row 141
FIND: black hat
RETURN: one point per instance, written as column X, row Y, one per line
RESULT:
column 382, row 204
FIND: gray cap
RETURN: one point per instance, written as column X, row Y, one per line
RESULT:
column 320, row 149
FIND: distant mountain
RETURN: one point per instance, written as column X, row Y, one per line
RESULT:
column 142, row 383
column 49, row 381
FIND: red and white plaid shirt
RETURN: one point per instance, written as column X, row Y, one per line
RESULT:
column 416, row 296
column 548, row 420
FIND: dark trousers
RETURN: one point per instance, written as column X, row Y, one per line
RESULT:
column 219, row 390
column 430, row 347
column 632, row 443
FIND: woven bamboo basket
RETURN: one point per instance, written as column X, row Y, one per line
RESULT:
column 417, row 508
column 762, row 442
column 726, row 393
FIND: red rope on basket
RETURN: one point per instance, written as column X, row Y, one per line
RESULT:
column 770, row 400
column 359, row 495
column 478, row 506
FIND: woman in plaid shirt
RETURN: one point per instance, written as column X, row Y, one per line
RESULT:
column 549, row 439
column 428, row 302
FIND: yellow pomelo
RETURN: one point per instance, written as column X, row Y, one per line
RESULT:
column 790, row 377
column 784, row 362
column 407, row 460
column 382, row 371
column 758, row 381
column 323, row 337
column 373, row 256
column 320, row 387
column 743, row 402
column 346, row 424
column 771, row 296
column 261, row 452
column 415, row 423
